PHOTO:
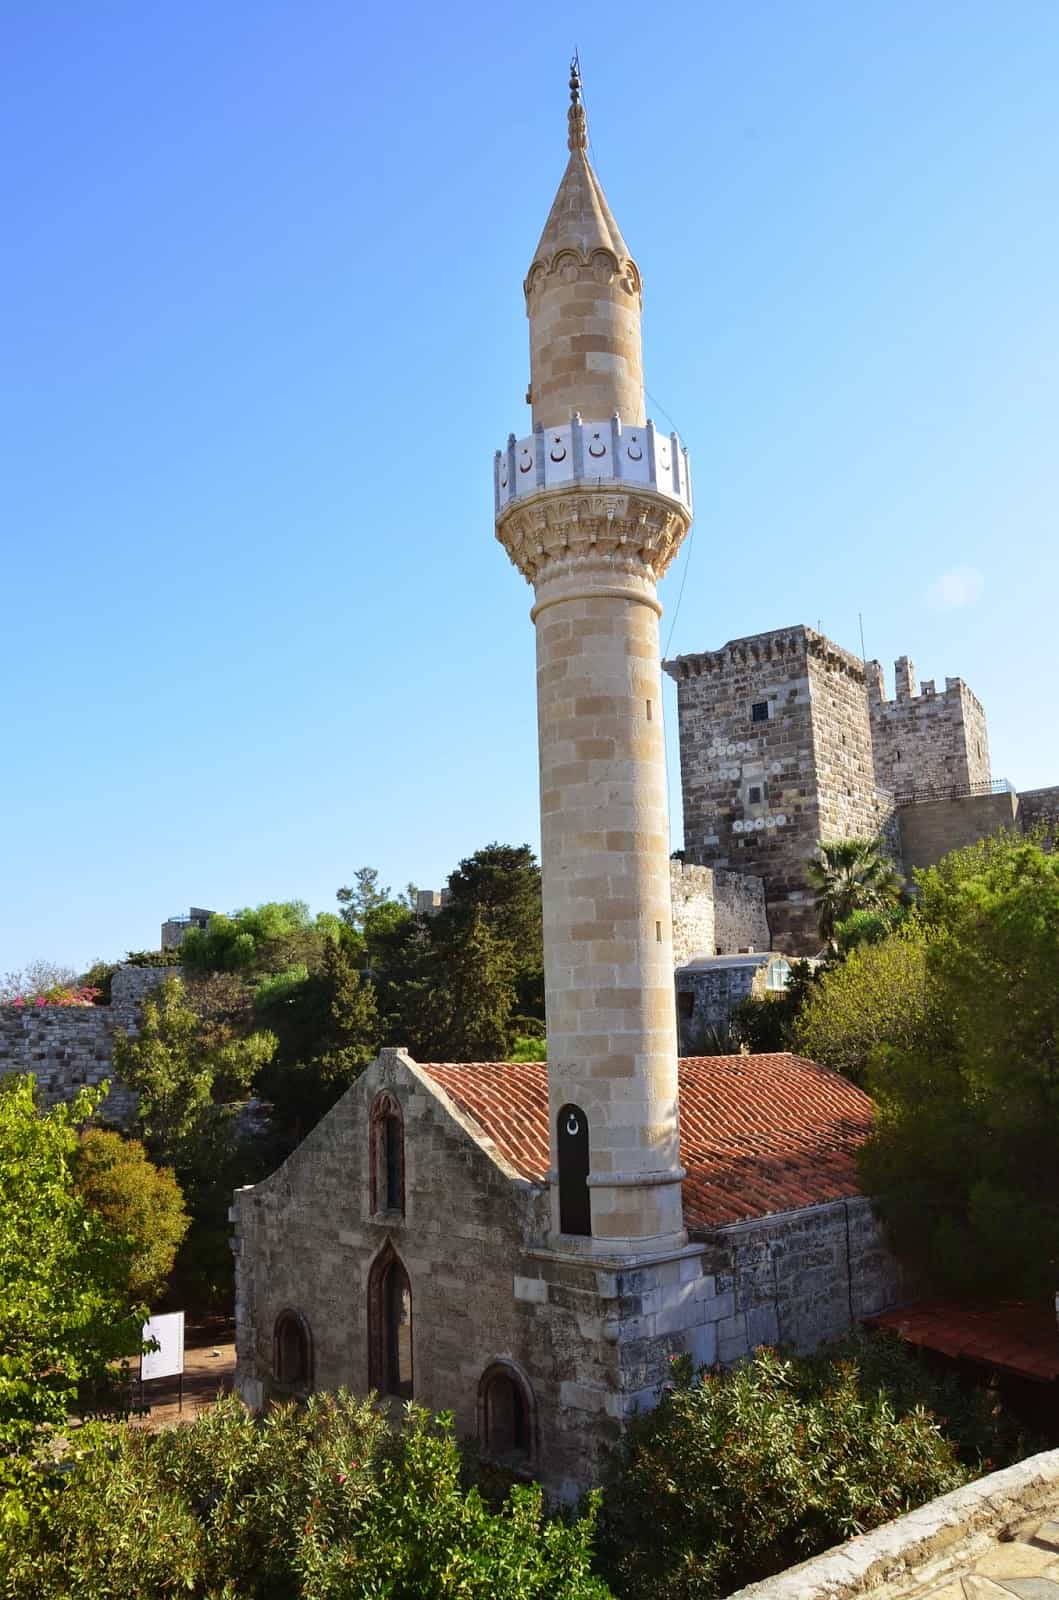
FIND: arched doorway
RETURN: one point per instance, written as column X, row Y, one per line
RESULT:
column 575, row 1208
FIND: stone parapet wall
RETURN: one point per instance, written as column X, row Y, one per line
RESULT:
column 931, row 828
column 994, row 1537
column 1039, row 808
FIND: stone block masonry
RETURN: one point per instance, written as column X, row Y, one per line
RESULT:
column 715, row 912
column 68, row 1048
column 926, row 741
column 776, row 757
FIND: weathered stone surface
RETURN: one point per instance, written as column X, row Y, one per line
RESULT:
column 69, row 1047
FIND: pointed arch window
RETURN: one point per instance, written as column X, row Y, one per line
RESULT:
column 387, row 1155
column 390, row 1326
column 575, row 1207
column 292, row 1353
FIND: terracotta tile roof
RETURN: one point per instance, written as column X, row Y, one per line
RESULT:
column 1013, row 1336
column 758, row 1134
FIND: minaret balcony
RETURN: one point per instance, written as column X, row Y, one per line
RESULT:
column 592, row 455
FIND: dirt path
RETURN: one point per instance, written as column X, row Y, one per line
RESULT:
column 206, row 1372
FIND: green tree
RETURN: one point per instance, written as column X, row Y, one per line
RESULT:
column 501, row 883
column 878, row 996
column 964, row 1158
column 851, row 875
column 141, row 1202
column 179, row 1072
column 472, row 993
column 767, row 1022
column 362, row 898
column 64, row 1279
column 259, row 940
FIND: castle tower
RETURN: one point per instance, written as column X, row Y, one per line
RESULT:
column 591, row 507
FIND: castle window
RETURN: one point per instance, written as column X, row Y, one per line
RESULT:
column 292, row 1353
column 387, row 1155
column 575, row 1208
column 778, row 974
column 754, row 794
column 685, row 1004
column 759, row 711
column 506, row 1415
column 390, row 1326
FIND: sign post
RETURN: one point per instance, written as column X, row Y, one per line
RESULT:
column 168, row 1360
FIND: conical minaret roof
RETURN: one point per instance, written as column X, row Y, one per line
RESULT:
column 580, row 218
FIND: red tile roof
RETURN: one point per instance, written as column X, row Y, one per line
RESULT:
column 758, row 1134
column 1012, row 1336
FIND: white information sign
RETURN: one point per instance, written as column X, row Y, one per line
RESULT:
column 168, row 1360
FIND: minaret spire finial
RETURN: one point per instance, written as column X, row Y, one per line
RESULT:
column 577, row 138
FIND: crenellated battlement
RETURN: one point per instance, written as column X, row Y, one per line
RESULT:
column 923, row 739
column 782, row 645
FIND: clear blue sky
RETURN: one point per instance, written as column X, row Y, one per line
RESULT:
column 263, row 328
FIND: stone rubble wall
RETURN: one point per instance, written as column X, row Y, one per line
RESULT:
column 1040, row 808
column 69, row 1047
column 715, row 912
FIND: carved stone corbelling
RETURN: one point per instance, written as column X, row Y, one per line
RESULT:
column 569, row 265
column 637, row 532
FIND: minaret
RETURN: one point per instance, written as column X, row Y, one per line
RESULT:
column 591, row 507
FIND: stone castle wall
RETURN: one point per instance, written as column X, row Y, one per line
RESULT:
column 775, row 756
column 715, row 912
column 1040, row 808
column 931, row 828
column 70, row 1047
column 923, row 740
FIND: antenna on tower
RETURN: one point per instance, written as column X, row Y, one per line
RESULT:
column 863, row 652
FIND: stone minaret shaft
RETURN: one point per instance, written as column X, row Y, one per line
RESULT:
column 592, row 512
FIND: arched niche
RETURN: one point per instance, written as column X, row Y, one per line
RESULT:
column 572, row 1151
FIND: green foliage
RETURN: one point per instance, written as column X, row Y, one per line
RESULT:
column 964, row 1156
column 364, row 897
column 528, row 1048
column 64, row 1278
column 878, row 996
column 767, row 1023
column 140, row 1202
column 868, row 927
column 259, row 941
column 852, row 875
column 99, row 977
column 736, row 1475
column 153, row 958
column 179, row 1075
column 314, row 1503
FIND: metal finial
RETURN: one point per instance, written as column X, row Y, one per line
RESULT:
column 578, row 135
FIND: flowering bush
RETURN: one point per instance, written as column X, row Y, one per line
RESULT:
column 60, row 994
column 736, row 1475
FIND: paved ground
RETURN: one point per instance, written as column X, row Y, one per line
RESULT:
column 1026, row 1567
column 206, row 1371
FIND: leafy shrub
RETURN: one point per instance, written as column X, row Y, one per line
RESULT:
column 316, row 1503
column 735, row 1476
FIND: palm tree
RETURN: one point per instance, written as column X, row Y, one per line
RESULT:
column 852, row 875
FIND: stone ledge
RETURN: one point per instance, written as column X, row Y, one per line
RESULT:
column 937, row 1538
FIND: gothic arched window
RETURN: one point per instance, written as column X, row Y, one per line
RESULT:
column 575, row 1208
column 390, row 1325
column 387, row 1155
column 292, row 1353
column 506, row 1414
